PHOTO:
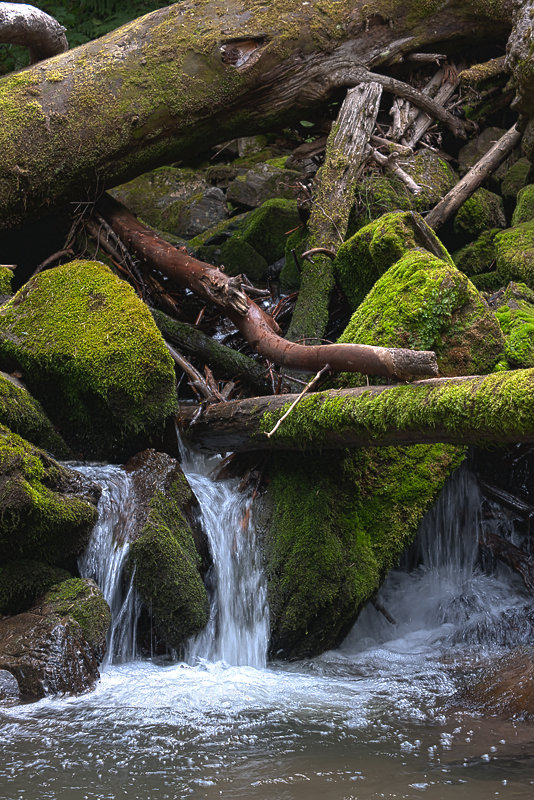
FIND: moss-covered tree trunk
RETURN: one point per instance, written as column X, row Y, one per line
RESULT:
column 172, row 84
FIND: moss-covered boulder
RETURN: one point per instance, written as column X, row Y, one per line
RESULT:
column 6, row 276
column 513, row 181
column 169, row 552
column 514, row 254
column 514, row 309
column 362, row 259
column 58, row 644
column 524, row 210
column 260, row 183
column 22, row 583
column 481, row 211
column 423, row 303
column 91, row 353
column 174, row 199
column 340, row 522
column 48, row 511
column 379, row 194
column 478, row 256
column 22, row 414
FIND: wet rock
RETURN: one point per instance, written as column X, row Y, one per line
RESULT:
column 9, row 688
column 91, row 353
column 199, row 213
column 505, row 688
column 48, row 510
column 56, row 646
column 260, row 183
column 169, row 551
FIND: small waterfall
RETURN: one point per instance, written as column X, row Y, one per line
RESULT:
column 442, row 596
column 238, row 630
column 105, row 557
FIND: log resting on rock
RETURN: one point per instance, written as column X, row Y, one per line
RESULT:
column 482, row 409
column 169, row 86
column 258, row 328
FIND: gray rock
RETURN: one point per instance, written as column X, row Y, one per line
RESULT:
column 9, row 688
column 260, row 183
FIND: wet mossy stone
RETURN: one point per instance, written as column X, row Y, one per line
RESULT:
column 481, row 211
column 340, row 522
column 524, row 210
column 514, row 308
column 169, row 554
column 57, row 645
column 266, row 228
column 423, row 303
column 48, row 510
column 514, row 251
column 514, row 180
column 362, row 259
column 478, row 256
column 380, row 194
column 22, row 583
column 22, row 414
column 91, row 353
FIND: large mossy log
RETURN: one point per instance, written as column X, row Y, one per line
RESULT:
column 482, row 409
column 172, row 84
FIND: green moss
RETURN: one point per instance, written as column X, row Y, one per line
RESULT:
column 23, row 415
column 340, row 523
column 91, row 353
column 22, row 583
column 515, row 254
column 524, row 210
column 266, row 228
column 6, row 276
column 167, row 567
column 481, row 211
column 376, row 247
column 423, row 303
column 82, row 601
column 515, row 178
column 42, row 518
column 515, row 312
column 478, row 256
column 238, row 256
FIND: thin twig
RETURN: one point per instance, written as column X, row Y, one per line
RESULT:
column 297, row 400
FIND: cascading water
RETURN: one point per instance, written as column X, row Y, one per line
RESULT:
column 238, row 630
column 105, row 557
column 367, row 721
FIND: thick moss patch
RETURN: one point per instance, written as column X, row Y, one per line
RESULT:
column 481, row 211
column 91, row 353
column 425, row 304
column 45, row 515
column 81, row 600
column 524, row 210
column 340, row 523
column 478, row 256
column 515, row 312
column 514, row 249
column 23, row 415
column 167, row 566
column 362, row 259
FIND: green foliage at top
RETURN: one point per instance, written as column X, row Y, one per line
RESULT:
column 84, row 21
column 92, row 354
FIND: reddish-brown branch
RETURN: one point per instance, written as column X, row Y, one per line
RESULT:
column 257, row 327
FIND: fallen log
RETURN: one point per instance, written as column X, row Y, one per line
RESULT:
column 257, row 327
column 482, row 409
column 174, row 83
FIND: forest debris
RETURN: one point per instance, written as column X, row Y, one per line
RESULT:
column 473, row 179
column 297, row 400
column 392, row 166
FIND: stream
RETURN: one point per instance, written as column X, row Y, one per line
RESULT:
column 366, row 721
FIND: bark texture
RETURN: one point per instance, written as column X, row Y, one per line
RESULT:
column 467, row 410
column 172, row 84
